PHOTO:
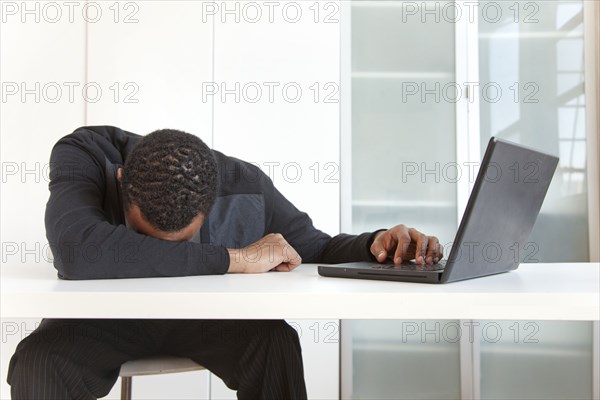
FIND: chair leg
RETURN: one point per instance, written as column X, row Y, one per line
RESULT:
column 126, row 388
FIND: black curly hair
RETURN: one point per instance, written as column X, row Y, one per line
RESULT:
column 172, row 177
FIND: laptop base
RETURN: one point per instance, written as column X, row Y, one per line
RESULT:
column 368, row 270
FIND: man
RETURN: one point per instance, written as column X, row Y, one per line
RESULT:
column 126, row 206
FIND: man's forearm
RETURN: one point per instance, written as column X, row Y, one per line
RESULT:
column 348, row 248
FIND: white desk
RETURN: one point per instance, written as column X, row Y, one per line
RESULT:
column 534, row 291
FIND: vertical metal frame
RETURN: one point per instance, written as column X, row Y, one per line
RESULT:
column 346, row 366
column 345, row 349
column 591, row 25
column 596, row 360
column 469, row 361
column 468, row 152
column 467, row 107
column 346, row 116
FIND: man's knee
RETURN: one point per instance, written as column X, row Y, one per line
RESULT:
column 47, row 346
column 32, row 354
column 291, row 332
column 281, row 332
column 58, row 360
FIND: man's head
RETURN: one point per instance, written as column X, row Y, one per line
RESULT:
column 169, row 184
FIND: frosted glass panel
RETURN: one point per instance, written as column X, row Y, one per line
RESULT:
column 402, row 36
column 403, row 129
column 536, row 360
column 414, row 359
column 397, row 173
column 534, row 53
column 403, row 140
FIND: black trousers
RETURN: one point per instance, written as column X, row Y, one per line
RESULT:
column 80, row 359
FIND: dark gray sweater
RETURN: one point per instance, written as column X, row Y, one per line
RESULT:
column 85, row 224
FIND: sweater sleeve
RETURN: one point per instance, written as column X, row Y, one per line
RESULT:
column 295, row 226
column 85, row 245
column 313, row 245
column 348, row 248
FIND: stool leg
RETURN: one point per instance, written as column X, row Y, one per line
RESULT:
column 126, row 388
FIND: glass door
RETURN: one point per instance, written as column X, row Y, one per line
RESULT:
column 404, row 90
column 533, row 52
column 402, row 136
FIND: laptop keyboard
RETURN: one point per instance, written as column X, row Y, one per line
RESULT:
column 411, row 266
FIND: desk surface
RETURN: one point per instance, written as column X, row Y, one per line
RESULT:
column 534, row 291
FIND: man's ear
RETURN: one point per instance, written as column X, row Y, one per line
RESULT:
column 119, row 174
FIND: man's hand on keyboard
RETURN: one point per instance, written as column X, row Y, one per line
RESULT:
column 402, row 243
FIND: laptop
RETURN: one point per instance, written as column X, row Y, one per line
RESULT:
column 492, row 237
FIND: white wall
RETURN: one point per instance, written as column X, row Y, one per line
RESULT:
column 155, row 64
column 294, row 129
column 33, row 56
